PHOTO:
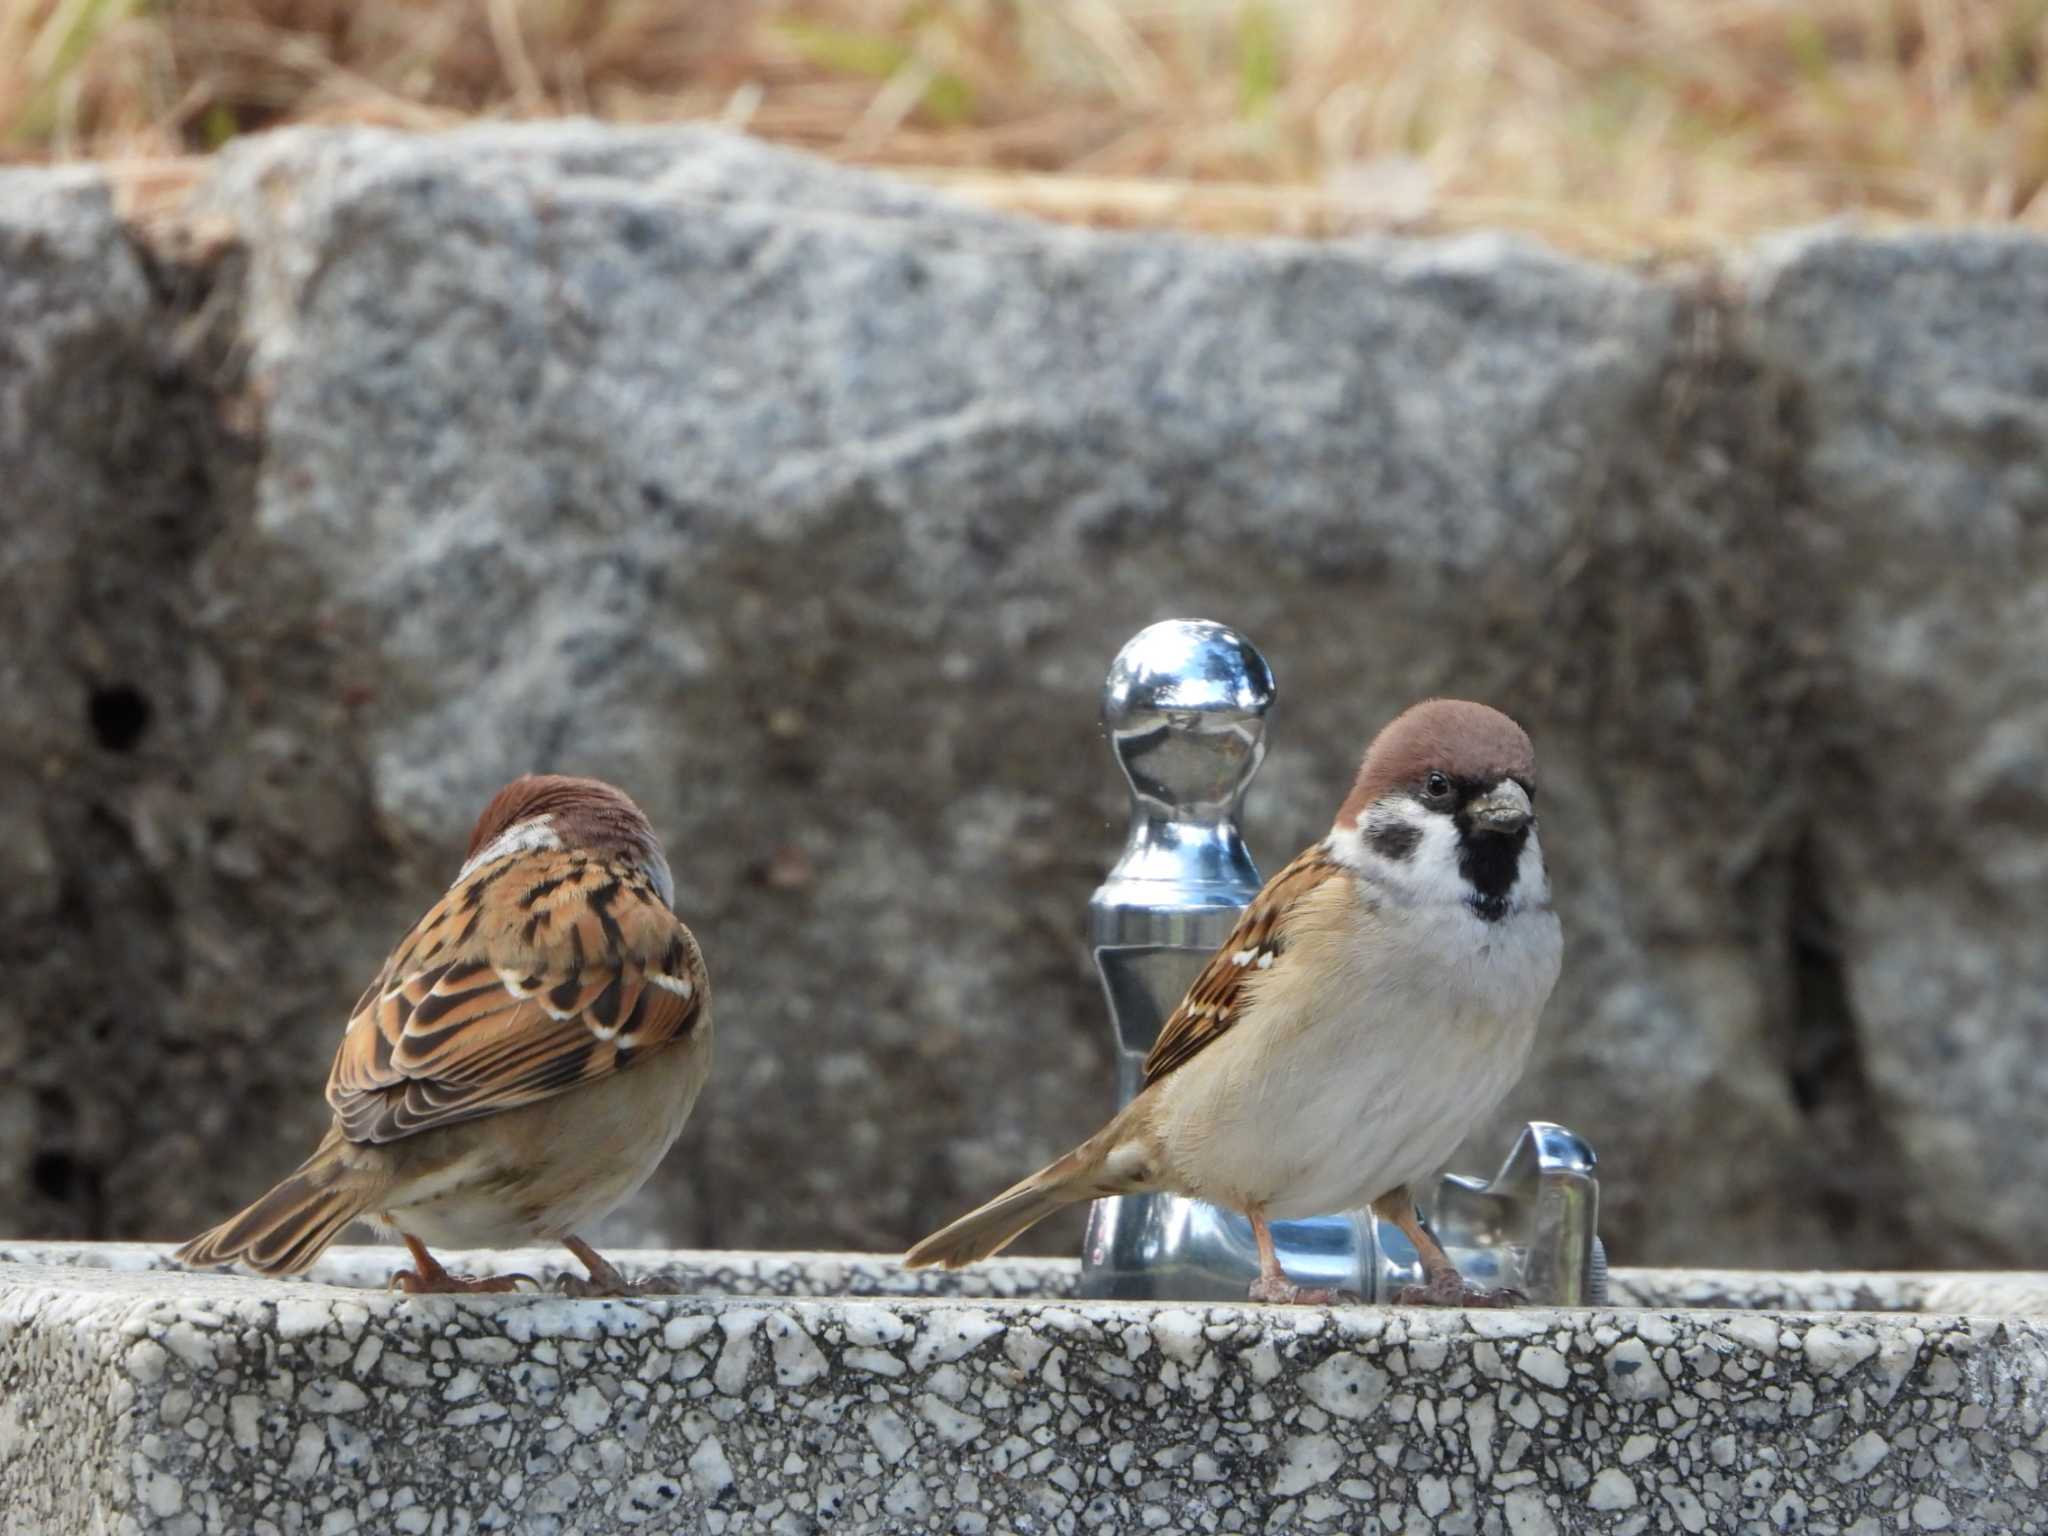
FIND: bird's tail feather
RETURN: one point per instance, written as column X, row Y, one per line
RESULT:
column 288, row 1228
column 991, row 1228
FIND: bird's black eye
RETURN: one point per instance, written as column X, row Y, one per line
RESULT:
column 1436, row 787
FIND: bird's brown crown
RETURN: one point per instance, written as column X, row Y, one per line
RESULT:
column 1456, row 737
column 584, row 813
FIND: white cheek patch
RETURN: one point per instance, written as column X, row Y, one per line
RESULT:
column 1428, row 876
column 1532, row 882
column 1347, row 847
column 1432, row 876
column 521, row 837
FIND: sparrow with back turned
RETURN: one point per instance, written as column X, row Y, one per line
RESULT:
column 527, row 1056
column 1377, row 998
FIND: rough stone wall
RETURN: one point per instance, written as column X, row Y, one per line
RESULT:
column 811, row 509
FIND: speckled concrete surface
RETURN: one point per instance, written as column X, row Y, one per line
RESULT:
column 135, row 1400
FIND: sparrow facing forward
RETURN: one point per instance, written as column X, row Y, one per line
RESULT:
column 527, row 1057
column 1376, row 999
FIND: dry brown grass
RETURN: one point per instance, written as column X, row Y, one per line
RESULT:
column 1633, row 123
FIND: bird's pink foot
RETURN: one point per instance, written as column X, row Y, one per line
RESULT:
column 428, row 1278
column 1273, row 1284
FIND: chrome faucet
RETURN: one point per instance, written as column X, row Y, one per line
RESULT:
column 1184, row 709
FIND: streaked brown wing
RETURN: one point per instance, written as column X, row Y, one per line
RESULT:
column 537, row 974
column 1212, row 1003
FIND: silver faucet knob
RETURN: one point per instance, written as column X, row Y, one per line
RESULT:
column 1185, row 710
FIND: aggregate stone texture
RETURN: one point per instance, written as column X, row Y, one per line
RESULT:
column 146, row 1402
column 810, row 507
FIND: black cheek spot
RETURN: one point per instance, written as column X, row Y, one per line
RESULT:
column 1396, row 840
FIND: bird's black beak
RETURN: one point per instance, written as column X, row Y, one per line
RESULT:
column 1504, row 809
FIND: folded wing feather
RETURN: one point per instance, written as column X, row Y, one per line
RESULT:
column 1214, row 1003
column 537, row 974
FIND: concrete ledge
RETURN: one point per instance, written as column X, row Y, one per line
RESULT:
column 167, row 1402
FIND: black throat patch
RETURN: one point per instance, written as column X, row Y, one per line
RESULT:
column 1489, row 861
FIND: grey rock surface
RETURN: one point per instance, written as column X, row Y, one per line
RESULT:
column 215, row 1404
column 1925, row 502
column 811, row 508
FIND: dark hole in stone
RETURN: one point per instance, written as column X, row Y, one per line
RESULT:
column 54, row 1175
column 1824, row 1060
column 120, row 714
column 1840, row 1209
column 1853, row 1182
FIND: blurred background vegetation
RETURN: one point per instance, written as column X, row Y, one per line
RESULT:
column 1627, row 125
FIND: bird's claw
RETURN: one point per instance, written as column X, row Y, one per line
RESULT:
column 609, row 1283
column 1287, row 1293
column 1449, row 1289
column 577, row 1286
column 413, row 1283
